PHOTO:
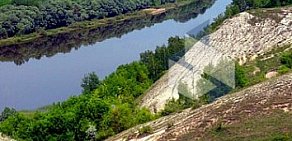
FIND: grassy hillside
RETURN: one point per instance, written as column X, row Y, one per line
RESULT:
column 277, row 126
column 260, row 112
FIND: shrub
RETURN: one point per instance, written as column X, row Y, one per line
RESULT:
column 280, row 137
column 7, row 113
column 240, row 76
column 173, row 106
column 283, row 69
column 286, row 59
column 146, row 130
column 90, row 82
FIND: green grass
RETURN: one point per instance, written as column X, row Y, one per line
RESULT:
column 274, row 127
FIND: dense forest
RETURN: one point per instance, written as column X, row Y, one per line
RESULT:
column 19, row 17
column 107, row 107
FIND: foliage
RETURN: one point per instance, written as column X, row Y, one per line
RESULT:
column 7, row 112
column 5, row 2
column 55, row 41
column 27, row 2
column 107, row 110
column 251, row 4
column 286, row 59
column 240, row 76
column 104, row 108
column 171, row 106
column 27, row 16
column 175, row 106
column 90, row 82
column 158, row 62
column 283, row 69
column 145, row 130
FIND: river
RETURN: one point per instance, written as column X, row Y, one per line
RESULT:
column 49, row 70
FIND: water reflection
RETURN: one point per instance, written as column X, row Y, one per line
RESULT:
column 64, row 43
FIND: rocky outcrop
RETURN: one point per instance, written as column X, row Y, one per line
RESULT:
column 261, row 99
column 242, row 38
column 254, row 33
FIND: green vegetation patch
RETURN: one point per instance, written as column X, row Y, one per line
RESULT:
column 274, row 127
column 105, row 107
column 277, row 60
column 5, row 2
column 20, row 17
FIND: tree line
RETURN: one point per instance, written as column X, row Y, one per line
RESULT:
column 27, row 16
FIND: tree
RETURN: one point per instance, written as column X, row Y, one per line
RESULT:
column 3, row 33
column 90, row 83
column 7, row 113
column 240, row 76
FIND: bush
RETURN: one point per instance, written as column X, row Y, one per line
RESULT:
column 90, row 82
column 7, row 113
column 283, row 69
column 286, row 59
column 146, row 130
column 240, row 76
column 5, row 2
column 172, row 106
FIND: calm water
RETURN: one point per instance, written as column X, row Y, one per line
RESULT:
column 50, row 70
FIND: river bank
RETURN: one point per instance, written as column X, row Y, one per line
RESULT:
column 50, row 69
column 65, row 42
column 93, row 24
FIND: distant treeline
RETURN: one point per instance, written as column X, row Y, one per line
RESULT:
column 64, row 42
column 19, row 17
